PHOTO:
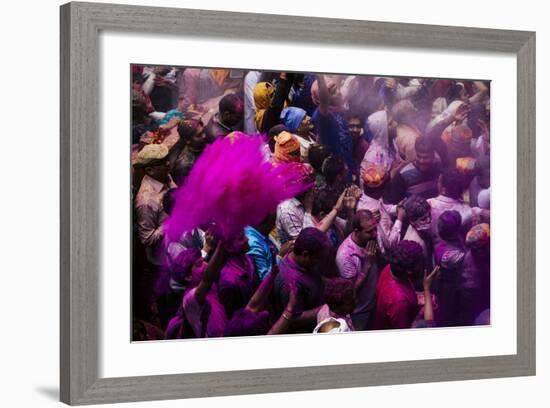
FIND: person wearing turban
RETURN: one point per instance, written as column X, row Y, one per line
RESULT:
column 149, row 210
column 287, row 148
column 474, row 284
column 270, row 100
column 299, row 123
column 458, row 140
column 478, row 236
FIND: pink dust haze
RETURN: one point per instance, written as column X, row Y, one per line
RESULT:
column 232, row 185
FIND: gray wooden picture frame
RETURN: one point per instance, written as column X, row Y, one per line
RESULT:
column 81, row 24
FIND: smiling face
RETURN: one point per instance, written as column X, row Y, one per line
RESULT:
column 355, row 127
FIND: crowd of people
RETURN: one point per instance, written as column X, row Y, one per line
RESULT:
column 392, row 230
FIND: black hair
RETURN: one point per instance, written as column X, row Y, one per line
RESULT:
column 360, row 216
column 187, row 128
column 324, row 201
column 424, row 144
column 405, row 255
column 416, row 207
column 448, row 224
column 338, row 291
column 230, row 103
column 354, row 115
column 311, row 240
column 275, row 131
column 332, row 167
column 316, row 156
column 453, row 182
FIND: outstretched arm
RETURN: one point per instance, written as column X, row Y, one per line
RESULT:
column 327, row 222
column 272, row 115
column 323, row 95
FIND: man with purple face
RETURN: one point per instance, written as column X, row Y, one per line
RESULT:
column 238, row 280
column 300, row 269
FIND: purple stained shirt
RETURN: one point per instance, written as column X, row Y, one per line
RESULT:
column 397, row 305
column 237, row 283
column 350, row 260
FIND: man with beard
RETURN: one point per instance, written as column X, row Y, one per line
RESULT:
column 193, row 140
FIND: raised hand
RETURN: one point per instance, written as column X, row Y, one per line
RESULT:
column 401, row 213
column 428, row 279
column 349, row 200
column 285, row 248
column 340, row 203
column 355, row 192
column 372, row 249
column 462, row 113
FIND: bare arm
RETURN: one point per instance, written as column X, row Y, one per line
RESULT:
column 323, row 95
column 370, row 261
column 260, row 298
column 272, row 115
column 428, row 305
column 480, row 94
column 211, row 273
column 282, row 325
column 331, row 216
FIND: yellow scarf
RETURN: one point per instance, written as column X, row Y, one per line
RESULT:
column 263, row 94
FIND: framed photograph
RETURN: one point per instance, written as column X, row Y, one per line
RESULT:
column 261, row 203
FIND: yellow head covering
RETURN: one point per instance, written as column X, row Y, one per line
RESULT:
column 263, row 93
column 219, row 75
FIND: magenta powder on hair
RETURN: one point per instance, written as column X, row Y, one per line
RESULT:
column 233, row 186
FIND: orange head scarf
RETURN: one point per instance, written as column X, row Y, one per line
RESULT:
column 287, row 148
